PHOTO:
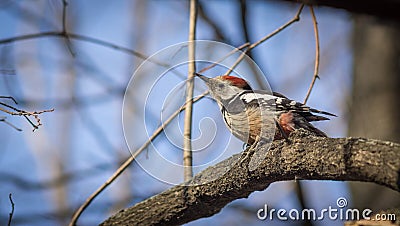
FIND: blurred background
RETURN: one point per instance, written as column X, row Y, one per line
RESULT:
column 51, row 171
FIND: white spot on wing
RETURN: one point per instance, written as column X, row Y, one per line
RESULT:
column 279, row 101
column 293, row 103
column 248, row 97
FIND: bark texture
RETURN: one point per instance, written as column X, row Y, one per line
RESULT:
column 306, row 157
column 375, row 109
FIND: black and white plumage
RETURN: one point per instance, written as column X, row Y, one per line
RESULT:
column 256, row 113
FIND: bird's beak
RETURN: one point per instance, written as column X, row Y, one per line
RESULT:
column 202, row 77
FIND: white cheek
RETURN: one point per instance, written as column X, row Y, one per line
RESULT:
column 223, row 93
column 227, row 94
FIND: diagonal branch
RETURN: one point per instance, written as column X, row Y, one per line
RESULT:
column 219, row 35
column 3, row 119
column 265, row 38
column 12, row 209
column 125, row 164
column 307, row 157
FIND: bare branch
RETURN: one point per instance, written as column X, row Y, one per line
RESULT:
column 243, row 15
column 317, row 54
column 81, row 38
column 25, row 114
column 4, row 120
column 223, row 58
column 64, row 27
column 209, row 20
column 307, row 157
column 187, row 129
column 290, row 22
column 265, row 38
column 9, row 97
column 12, row 210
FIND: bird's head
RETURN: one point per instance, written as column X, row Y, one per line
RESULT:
column 224, row 87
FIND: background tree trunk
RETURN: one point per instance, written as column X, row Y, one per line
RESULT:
column 375, row 109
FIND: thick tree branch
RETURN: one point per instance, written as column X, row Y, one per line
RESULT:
column 307, row 157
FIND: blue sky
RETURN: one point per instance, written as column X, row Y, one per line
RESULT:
column 85, row 138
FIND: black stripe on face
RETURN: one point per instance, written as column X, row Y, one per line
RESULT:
column 223, row 112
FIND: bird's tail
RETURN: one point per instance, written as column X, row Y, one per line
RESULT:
column 288, row 122
column 301, row 122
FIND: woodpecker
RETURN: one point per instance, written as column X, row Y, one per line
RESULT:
column 252, row 114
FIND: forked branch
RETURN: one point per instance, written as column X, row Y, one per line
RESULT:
column 11, row 110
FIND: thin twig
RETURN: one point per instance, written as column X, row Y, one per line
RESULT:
column 35, row 127
column 12, row 209
column 317, row 54
column 295, row 19
column 81, row 38
column 220, row 36
column 64, row 15
column 25, row 114
column 265, row 38
column 22, row 112
column 243, row 14
column 64, row 28
column 9, row 97
column 246, row 35
column 11, row 107
column 3, row 119
column 187, row 129
column 85, row 39
column 245, row 45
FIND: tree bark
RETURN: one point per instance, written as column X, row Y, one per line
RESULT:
column 375, row 109
column 306, row 157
